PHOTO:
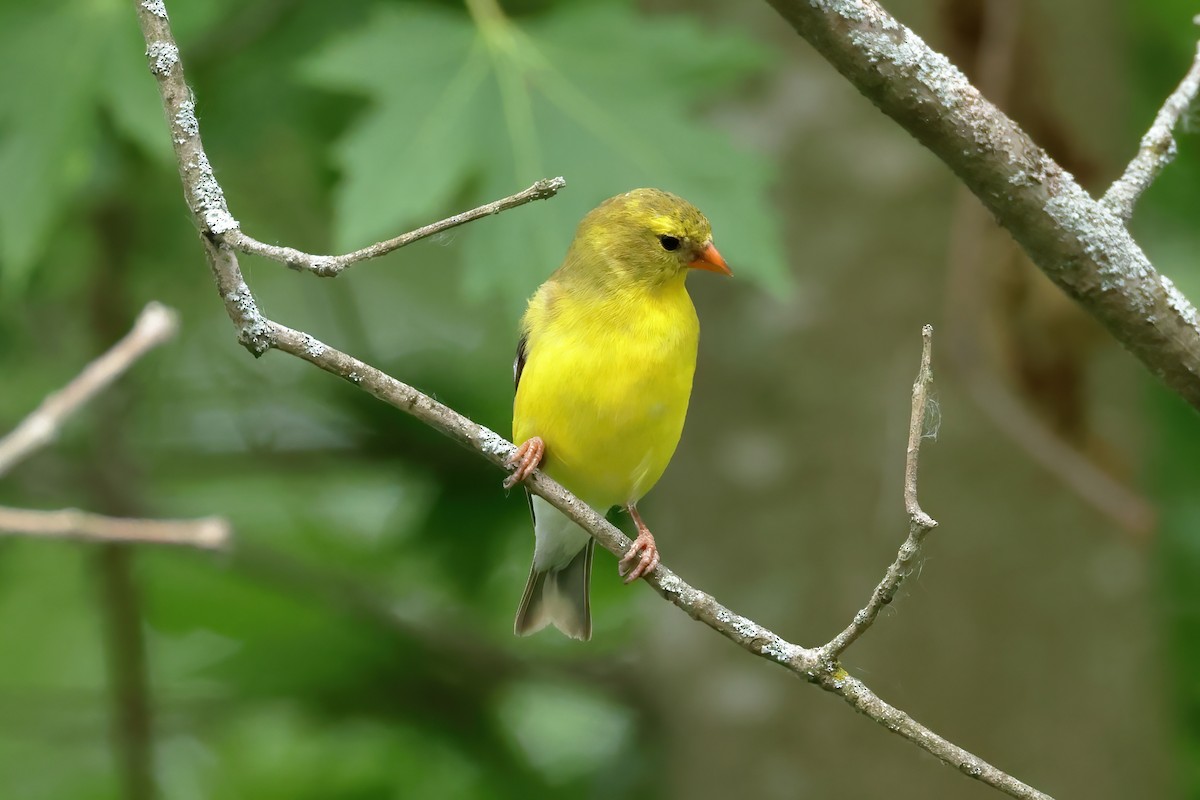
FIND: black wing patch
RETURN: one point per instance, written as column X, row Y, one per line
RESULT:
column 518, row 368
column 519, row 361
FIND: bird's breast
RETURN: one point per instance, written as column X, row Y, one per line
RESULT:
column 607, row 389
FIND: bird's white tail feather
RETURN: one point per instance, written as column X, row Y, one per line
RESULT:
column 558, row 589
column 557, row 538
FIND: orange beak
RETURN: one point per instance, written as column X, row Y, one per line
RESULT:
column 711, row 260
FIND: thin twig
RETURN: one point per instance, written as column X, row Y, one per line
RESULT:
column 812, row 664
column 916, row 430
column 259, row 334
column 155, row 325
column 1158, row 145
column 919, row 523
column 331, row 266
column 206, row 533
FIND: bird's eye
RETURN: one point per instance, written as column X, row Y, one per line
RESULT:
column 669, row 242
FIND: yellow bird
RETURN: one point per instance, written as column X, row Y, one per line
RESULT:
column 604, row 372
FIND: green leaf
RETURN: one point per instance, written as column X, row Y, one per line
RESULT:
column 45, row 126
column 466, row 110
column 71, row 59
column 410, row 153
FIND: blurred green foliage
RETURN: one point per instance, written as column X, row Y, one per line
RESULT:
column 355, row 643
column 51, row 115
column 1166, row 224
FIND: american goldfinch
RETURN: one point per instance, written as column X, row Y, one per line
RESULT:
column 603, row 375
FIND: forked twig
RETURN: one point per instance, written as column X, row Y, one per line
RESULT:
column 919, row 523
column 1157, row 149
column 332, row 266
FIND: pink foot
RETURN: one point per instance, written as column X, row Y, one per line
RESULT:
column 525, row 460
column 642, row 557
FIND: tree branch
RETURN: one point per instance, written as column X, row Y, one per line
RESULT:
column 973, row 258
column 155, row 325
column 1158, row 145
column 206, row 533
column 919, row 523
column 1081, row 244
column 332, row 266
column 815, row 665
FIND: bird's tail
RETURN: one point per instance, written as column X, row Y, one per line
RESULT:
column 559, row 598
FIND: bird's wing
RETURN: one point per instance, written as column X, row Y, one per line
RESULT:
column 518, row 368
column 519, row 361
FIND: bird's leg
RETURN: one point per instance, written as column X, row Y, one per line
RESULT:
column 525, row 460
column 642, row 558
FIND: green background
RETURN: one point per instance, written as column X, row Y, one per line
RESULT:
column 356, row 640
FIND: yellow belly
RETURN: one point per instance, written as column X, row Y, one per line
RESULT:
column 607, row 389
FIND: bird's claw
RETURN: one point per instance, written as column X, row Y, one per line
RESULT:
column 641, row 559
column 524, row 460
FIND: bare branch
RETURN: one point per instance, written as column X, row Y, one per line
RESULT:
column 206, row 533
column 815, row 665
column 863, row 700
column 1158, row 145
column 811, row 664
column 155, row 325
column 1078, row 242
column 240, row 305
column 331, row 266
column 919, row 523
column 259, row 334
column 916, row 431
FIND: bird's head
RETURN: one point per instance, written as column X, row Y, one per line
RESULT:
column 646, row 236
